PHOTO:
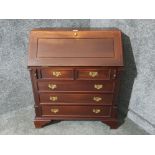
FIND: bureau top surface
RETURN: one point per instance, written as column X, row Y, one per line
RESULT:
column 80, row 47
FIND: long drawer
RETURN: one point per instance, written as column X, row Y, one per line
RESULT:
column 81, row 86
column 76, row 98
column 93, row 111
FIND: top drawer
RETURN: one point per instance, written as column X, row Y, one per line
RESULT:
column 57, row 73
column 94, row 74
column 64, row 73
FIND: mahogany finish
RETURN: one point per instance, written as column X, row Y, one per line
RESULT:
column 79, row 111
column 76, row 98
column 101, row 74
column 56, row 74
column 76, row 86
column 95, row 54
column 75, row 74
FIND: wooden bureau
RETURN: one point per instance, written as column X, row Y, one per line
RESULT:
column 75, row 74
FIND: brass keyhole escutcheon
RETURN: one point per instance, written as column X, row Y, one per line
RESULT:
column 75, row 34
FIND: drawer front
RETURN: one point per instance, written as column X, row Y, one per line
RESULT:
column 54, row 73
column 68, row 98
column 93, row 74
column 79, row 86
column 48, row 110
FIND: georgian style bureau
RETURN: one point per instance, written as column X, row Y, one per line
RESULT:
column 75, row 74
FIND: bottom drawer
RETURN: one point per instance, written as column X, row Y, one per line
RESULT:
column 48, row 110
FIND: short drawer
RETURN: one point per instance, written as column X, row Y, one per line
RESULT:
column 77, row 86
column 94, row 74
column 57, row 73
column 80, row 111
column 72, row 98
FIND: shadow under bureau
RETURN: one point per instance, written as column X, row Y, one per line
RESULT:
column 75, row 74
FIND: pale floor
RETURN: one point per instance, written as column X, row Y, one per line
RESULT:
column 21, row 122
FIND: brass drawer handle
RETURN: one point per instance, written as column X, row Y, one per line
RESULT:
column 98, row 86
column 55, row 110
column 97, row 99
column 93, row 74
column 57, row 74
column 53, row 98
column 52, row 86
column 96, row 111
